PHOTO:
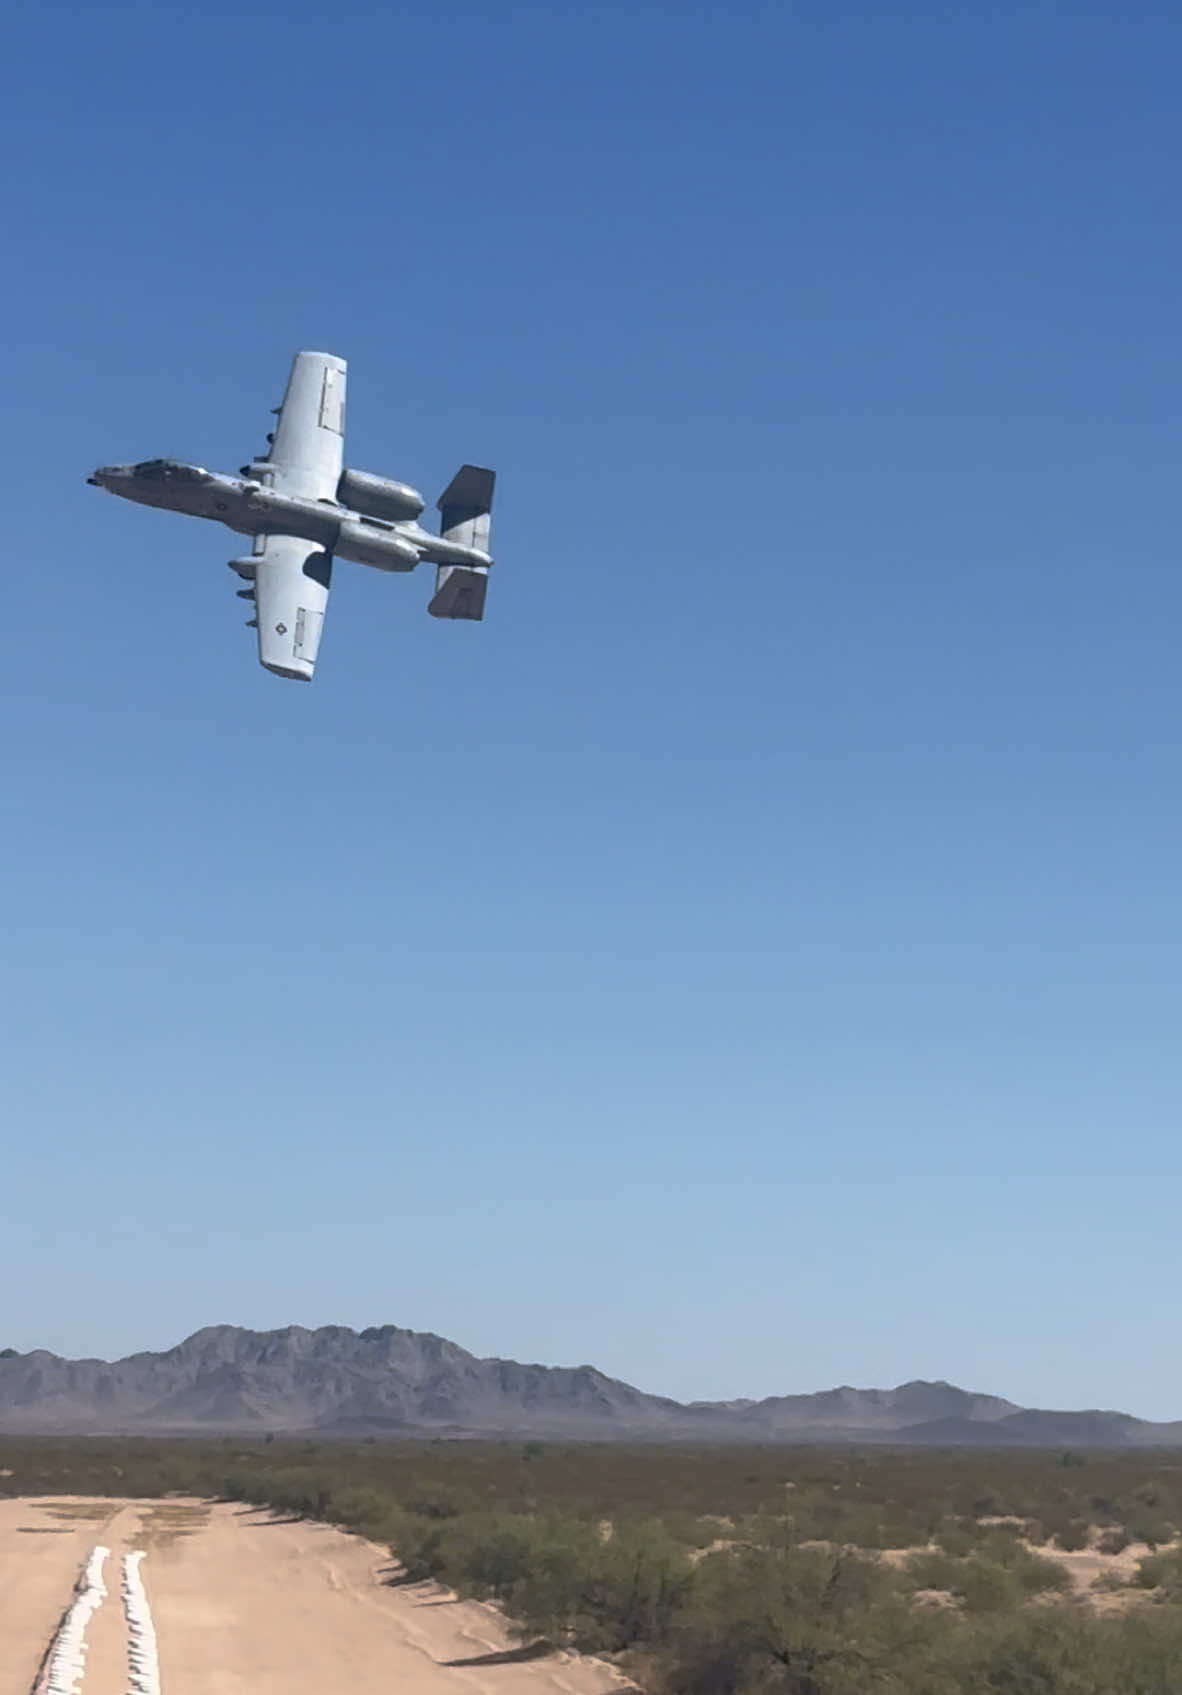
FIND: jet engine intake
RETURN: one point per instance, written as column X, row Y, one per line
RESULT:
column 378, row 497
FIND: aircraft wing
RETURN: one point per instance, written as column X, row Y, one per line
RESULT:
column 291, row 579
column 308, row 447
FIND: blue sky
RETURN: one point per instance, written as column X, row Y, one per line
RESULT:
column 750, row 960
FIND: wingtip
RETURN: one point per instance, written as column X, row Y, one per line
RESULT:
column 288, row 671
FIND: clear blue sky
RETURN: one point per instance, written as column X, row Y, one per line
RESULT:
column 750, row 961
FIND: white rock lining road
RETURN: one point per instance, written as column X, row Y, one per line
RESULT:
column 67, row 1657
column 65, row 1665
column 143, row 1666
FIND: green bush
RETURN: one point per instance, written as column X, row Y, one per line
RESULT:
column 1153, row 1532
column 1000, row 1576
column 983, row 1586
column 559, row 1577
column 933, row 1569
column 800, row 1622
column 637, row 1586
column 441, row 1504
column 1162, row 1571
column 956, row 1538
column 1036, row 1575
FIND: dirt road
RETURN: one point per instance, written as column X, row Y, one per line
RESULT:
column 247, row 1606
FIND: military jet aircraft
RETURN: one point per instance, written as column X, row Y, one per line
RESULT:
column 302, row 507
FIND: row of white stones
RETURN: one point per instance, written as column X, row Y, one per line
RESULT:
column 67, row 1659
column 143, row 1667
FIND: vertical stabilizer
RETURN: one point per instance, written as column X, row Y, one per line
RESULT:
column 465, row 507
column 459, row 592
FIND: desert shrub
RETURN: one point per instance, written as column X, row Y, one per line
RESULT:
column 418, row 1546
column 559, row 1578
column 797, row 1622
column 1153, row 1532
column 497, row 1558
column 758, row 1531
column 1152, row 1569
column 439, row 1503
column 932, row 1568
column 243, row 1486
column 1061, row 1651
column 956, row 1538
column 537, row 1567
column 638, row 1584
column 1002, row 1542
column 1162, row 1571
column 984, row 1586
column 998, row 1576
column 306, row 1494
column 1074, row 1535
column 1034, row 1574
column 1049, row 1651
column 360, row 1509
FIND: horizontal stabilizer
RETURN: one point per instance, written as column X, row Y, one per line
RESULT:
column 465, row 505
column 459, row 592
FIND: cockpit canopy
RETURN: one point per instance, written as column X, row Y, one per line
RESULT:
column 169, row 471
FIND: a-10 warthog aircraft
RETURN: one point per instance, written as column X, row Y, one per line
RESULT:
column 302, row 508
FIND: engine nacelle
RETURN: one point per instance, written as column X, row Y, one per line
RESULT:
column 371, row 542
column 379, row 497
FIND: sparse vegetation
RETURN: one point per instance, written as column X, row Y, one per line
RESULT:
column 754, row 1571
column 1163, row 1573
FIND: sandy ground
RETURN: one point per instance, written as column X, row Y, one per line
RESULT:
column 1084, row 1566
column 246, row 1605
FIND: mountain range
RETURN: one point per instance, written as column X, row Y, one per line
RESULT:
column 386, row 1381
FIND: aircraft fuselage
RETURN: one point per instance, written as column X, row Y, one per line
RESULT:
column 252, row 508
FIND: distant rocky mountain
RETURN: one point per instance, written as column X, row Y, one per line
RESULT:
column 392, row 1382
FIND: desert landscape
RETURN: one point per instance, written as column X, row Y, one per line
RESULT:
column 244, row 1601
column 532, row 1568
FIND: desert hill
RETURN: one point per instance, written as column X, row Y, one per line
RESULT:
column 389, row 1381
